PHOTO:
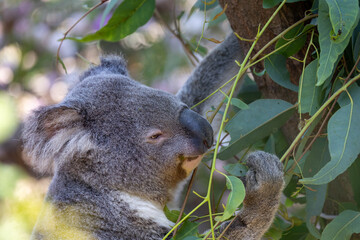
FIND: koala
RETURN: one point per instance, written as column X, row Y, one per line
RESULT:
column 119, row 151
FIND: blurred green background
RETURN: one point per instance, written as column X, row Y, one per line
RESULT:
column 29, row 78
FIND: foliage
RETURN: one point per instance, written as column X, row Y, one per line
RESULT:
column 328, row 94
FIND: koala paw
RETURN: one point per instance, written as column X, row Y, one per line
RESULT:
column 265, row 175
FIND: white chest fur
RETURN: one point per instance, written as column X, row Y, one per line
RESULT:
column 144, row 208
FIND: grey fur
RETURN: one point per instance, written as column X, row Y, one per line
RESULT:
column 110, row 177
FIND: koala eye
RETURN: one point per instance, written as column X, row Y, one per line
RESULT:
column 155, row 136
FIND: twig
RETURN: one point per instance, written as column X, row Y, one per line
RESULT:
column 186, row 198
column 76, row 23
column 189, row 53
column 227, row 227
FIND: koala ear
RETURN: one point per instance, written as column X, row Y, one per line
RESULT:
column 109, row 64
column 53, row 135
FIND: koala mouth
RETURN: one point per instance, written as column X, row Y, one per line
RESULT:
column 189, row 163
column 190, row 158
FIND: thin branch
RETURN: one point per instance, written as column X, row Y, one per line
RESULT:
column 189, row 53
column 186, row 198
column 76, row 23
column 227, row 227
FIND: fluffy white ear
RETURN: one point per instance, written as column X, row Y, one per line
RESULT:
column 54, row 134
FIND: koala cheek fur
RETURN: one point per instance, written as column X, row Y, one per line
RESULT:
column 119, row 151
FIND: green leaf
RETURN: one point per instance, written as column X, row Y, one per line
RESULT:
column 219, row 19
column 273, row 3
column 319, row 156
column 248, row 126
column 107, row 10
column 315, row 198
column 343, row 17
column 238, row 103
column 354, row 171
column 188, row 229
column 259, row 74
column 343, row 226
column 357, row 48
column 344, row 143
column 192, row 238
column 354, row 91
column 210, row 4
column 330, row 49
column 236, row 169
column 296, row 45
column 249, row 91
column 236, row 197
column 172, row 215
column 275, row 66
column 309, row 99
column 193, row 44
column 297, row 232
column 270, row 145
column 281, row 223
column 127, row 18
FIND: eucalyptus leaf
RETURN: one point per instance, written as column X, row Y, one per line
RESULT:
column 315, row 194
column 192, row 238
column 343, row 17
column 281, row 223
column 354, row 171
column 127, row 18
column 273, row 3
column 235, row 198
column 236, row 169
column 299, row 232
column 343, row 226
column 172, row 215
column 344, row 143
column 249, row 91
column 206, row 4
column 356, row 52
column 354, row 91
column 330, row 49
column 309, row 93
column 259, row 74
column 213, row 14
column 238, row 103
column 315, row 199
column 270, row 145
column 187, row 229
column 193, row 44
column 275, row 66
column 296, row 45
column 107, row 10
column 248, row 126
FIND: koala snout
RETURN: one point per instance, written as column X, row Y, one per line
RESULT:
column 198, row 128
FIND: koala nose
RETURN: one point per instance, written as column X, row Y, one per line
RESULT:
column 198, row 128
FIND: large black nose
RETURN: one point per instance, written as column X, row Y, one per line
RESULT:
column 198, row 128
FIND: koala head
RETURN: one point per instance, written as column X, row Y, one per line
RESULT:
column 114, row 133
